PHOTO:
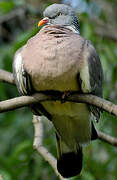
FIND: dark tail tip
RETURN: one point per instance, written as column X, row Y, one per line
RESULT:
column 70, row 164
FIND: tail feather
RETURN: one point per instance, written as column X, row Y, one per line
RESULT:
column 94, row 134
column 69, row 163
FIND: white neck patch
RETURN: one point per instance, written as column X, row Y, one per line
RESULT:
column 73, row 29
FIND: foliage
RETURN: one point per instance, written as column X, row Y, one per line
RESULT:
column 17, row 157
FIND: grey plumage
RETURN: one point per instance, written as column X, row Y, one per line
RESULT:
column 58, row 58
column 62, row 14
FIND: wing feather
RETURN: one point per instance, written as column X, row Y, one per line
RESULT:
column 24, row 85
column 91, row 75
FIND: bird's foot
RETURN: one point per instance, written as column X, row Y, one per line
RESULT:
column 64, row 96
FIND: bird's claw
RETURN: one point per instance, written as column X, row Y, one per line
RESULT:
column 64, row 96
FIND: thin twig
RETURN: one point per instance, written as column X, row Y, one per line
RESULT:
column 109, row 139
column 6, row 76
column 100, row 27
column 1, row 178
column 105, row 34
column 38, row 145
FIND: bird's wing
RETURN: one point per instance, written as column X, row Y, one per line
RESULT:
column 21, row 77
column 23, row 83
column 91, row 75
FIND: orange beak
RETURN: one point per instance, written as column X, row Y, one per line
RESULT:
column 43, row 21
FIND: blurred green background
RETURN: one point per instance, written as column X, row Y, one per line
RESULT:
column 18, row 22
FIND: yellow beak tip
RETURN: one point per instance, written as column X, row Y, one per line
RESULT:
column 38, row 24
column 43, row 21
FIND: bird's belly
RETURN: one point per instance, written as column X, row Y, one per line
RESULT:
column 63, row 82
column 71, row 120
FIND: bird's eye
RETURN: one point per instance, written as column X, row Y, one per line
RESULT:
column 53, row 17
column 59, row 14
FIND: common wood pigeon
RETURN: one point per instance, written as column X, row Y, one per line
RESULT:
column 58, row 58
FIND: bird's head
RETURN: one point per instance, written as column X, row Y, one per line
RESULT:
column 60, row 14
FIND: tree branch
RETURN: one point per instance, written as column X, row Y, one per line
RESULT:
column 100, row 27
column 22, row 101
column 11, row 15
column 106, row 34
column 108, row 139
column 38, row 145
column 6, row 76
column 1, row 178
